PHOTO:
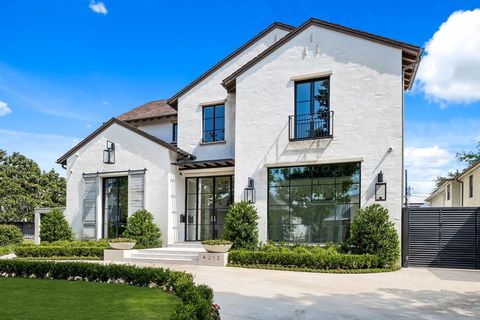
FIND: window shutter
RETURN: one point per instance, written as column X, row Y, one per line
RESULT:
column 137, row 192
column 90, row 191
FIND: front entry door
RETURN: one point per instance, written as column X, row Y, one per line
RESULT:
column 207, row 202
column 115, row 206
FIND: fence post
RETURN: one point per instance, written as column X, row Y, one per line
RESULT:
column 405, row 236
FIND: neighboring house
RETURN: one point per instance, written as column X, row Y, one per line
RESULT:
column 461, row 191
column 417, row 200
column 300, row 121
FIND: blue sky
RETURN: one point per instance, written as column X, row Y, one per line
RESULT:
column 68, row 66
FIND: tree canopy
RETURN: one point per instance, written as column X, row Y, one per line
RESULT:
column 24, row 187
column 469, row 158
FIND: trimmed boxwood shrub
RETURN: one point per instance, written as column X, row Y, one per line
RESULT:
column 241, row 226
column 196, row 300
column 10, row 235
column 300, row 257
column 372, row 232
column 68, row 249
column 140, row 227
column 33, row 251
column 54, row 227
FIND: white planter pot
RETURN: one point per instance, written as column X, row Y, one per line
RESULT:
column 122, row 245
column 221, row 248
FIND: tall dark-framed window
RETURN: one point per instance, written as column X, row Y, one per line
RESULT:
column 213, row 123
column 174, row 132
column 448, row 192
column 470, row 186
column 312, row 108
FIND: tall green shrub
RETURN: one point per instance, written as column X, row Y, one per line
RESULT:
column 140, row 226
column 10, row 235
column 373, row 233
column 241, row 226
column 54, row 227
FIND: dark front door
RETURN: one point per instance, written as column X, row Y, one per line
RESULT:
column 115, row 206
column 207, row 202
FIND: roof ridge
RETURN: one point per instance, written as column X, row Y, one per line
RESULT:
column 126, row 125
column 232, row 55
column 328, row 25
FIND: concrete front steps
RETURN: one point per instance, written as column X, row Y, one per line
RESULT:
column 178, row 253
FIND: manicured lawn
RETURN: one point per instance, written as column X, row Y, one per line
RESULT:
column 60, row 299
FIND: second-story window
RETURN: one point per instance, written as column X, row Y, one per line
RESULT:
column 448, row 192
column 213, row 123
column 470, row 186
column 312, row 109
column 174, row 132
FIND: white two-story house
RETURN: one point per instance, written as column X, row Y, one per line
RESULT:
column 305, row 122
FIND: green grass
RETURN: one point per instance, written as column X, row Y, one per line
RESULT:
column 60, row 299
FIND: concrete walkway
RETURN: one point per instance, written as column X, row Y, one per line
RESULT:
column 406, row 294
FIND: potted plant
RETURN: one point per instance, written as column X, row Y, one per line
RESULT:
column 217, row 246
column 122, row 243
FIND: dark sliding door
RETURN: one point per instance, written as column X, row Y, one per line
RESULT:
column 115, row 206
column 207, row 202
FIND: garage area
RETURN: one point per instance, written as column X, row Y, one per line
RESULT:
column 441, row 237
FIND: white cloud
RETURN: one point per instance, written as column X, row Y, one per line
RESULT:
column 4, row 109
column 425, row 164
column 98, row 7
column 450, row 71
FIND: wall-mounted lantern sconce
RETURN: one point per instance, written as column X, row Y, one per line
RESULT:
column 249, row 191
column 380, row 188
column 109, row 153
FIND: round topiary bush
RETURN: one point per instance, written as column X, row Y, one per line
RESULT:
column 241, row 226
column 54, row 227
column 10, row 235
column 372, row 232
column 140, row 227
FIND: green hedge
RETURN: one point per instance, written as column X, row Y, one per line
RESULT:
column 317, row 258
column 197, row 299
column 27, row 251
column 62, row 249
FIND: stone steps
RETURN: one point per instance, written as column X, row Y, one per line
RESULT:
column 178, row 253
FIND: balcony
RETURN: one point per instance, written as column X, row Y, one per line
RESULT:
column 310, row 126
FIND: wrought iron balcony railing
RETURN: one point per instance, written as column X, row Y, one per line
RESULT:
column 310, row 126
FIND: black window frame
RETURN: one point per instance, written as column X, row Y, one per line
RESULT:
column 312, row 108
column 470, row 186
column 174, row 132
column 328, row 201
column 214, row 129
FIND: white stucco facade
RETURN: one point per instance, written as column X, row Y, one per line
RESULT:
column 365, row 95
column 132, row 152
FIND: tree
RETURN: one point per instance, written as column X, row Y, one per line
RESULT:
column 140, row 227
column 23, row 187
column 54, row 227
column 439, row 180
column 469, row 157
column 241, row 226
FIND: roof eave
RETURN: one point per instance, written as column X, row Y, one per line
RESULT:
column 276, row 25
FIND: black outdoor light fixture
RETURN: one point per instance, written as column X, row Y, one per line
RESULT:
column 380, row 188
column 109, row 153
column 249, row 191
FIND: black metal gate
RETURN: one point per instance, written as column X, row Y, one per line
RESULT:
column 441, row 237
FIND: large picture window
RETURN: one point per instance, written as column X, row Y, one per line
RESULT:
column 213, row 123
column 312, row 204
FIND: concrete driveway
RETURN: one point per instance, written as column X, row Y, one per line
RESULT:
column 406, row 294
